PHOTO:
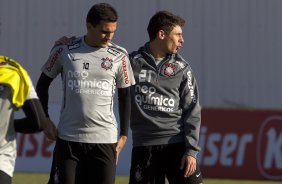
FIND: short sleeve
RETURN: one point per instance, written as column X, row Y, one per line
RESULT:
column 125, row 77
column 53, row 65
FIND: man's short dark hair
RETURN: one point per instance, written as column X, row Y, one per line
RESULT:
column 101, row 12
column 163, row 20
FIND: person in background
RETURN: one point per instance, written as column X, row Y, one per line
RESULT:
column 17, row 92
column 166, row 113
column 92, row 68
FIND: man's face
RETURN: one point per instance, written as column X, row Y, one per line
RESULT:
column 174, row 40
column 101, row 34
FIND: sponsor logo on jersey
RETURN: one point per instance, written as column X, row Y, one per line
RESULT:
column 72, row 57
column 107, row 63
column 78, row 81
column 191, row 87
column 54, row 59
column 180, row 63
column 124, row 69
column 74, row 46
column 113, row 51
column 147, row 98
column 168, row 69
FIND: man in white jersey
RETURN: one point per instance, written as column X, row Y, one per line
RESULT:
column 87, row 147
column 16, row 91
column 166, row 113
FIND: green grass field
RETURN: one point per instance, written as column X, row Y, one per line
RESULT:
column 32, row 178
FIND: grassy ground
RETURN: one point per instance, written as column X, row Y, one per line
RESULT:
column 32, row 178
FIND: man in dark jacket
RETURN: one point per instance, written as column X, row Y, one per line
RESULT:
column 166, row 114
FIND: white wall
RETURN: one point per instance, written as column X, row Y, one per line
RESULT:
column 234, row 46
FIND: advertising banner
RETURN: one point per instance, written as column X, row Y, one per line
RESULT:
column 239, row 144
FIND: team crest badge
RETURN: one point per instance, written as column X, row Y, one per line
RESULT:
column 169, row 69
column 107, row 63
column 138, row 174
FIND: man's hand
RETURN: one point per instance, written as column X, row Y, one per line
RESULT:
column 65, row 40
column 120, row 144
column 190, row 165
column 50, row 130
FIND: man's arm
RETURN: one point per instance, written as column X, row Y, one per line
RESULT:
column 191, row 117
column 124, row 109
column 42, row 88
column 124, row 114
column 35, row 120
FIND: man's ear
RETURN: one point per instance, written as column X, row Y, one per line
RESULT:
column 161, row 34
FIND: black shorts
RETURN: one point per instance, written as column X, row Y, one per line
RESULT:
column 5, row 178
column 152, row 164
column 76, row 163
